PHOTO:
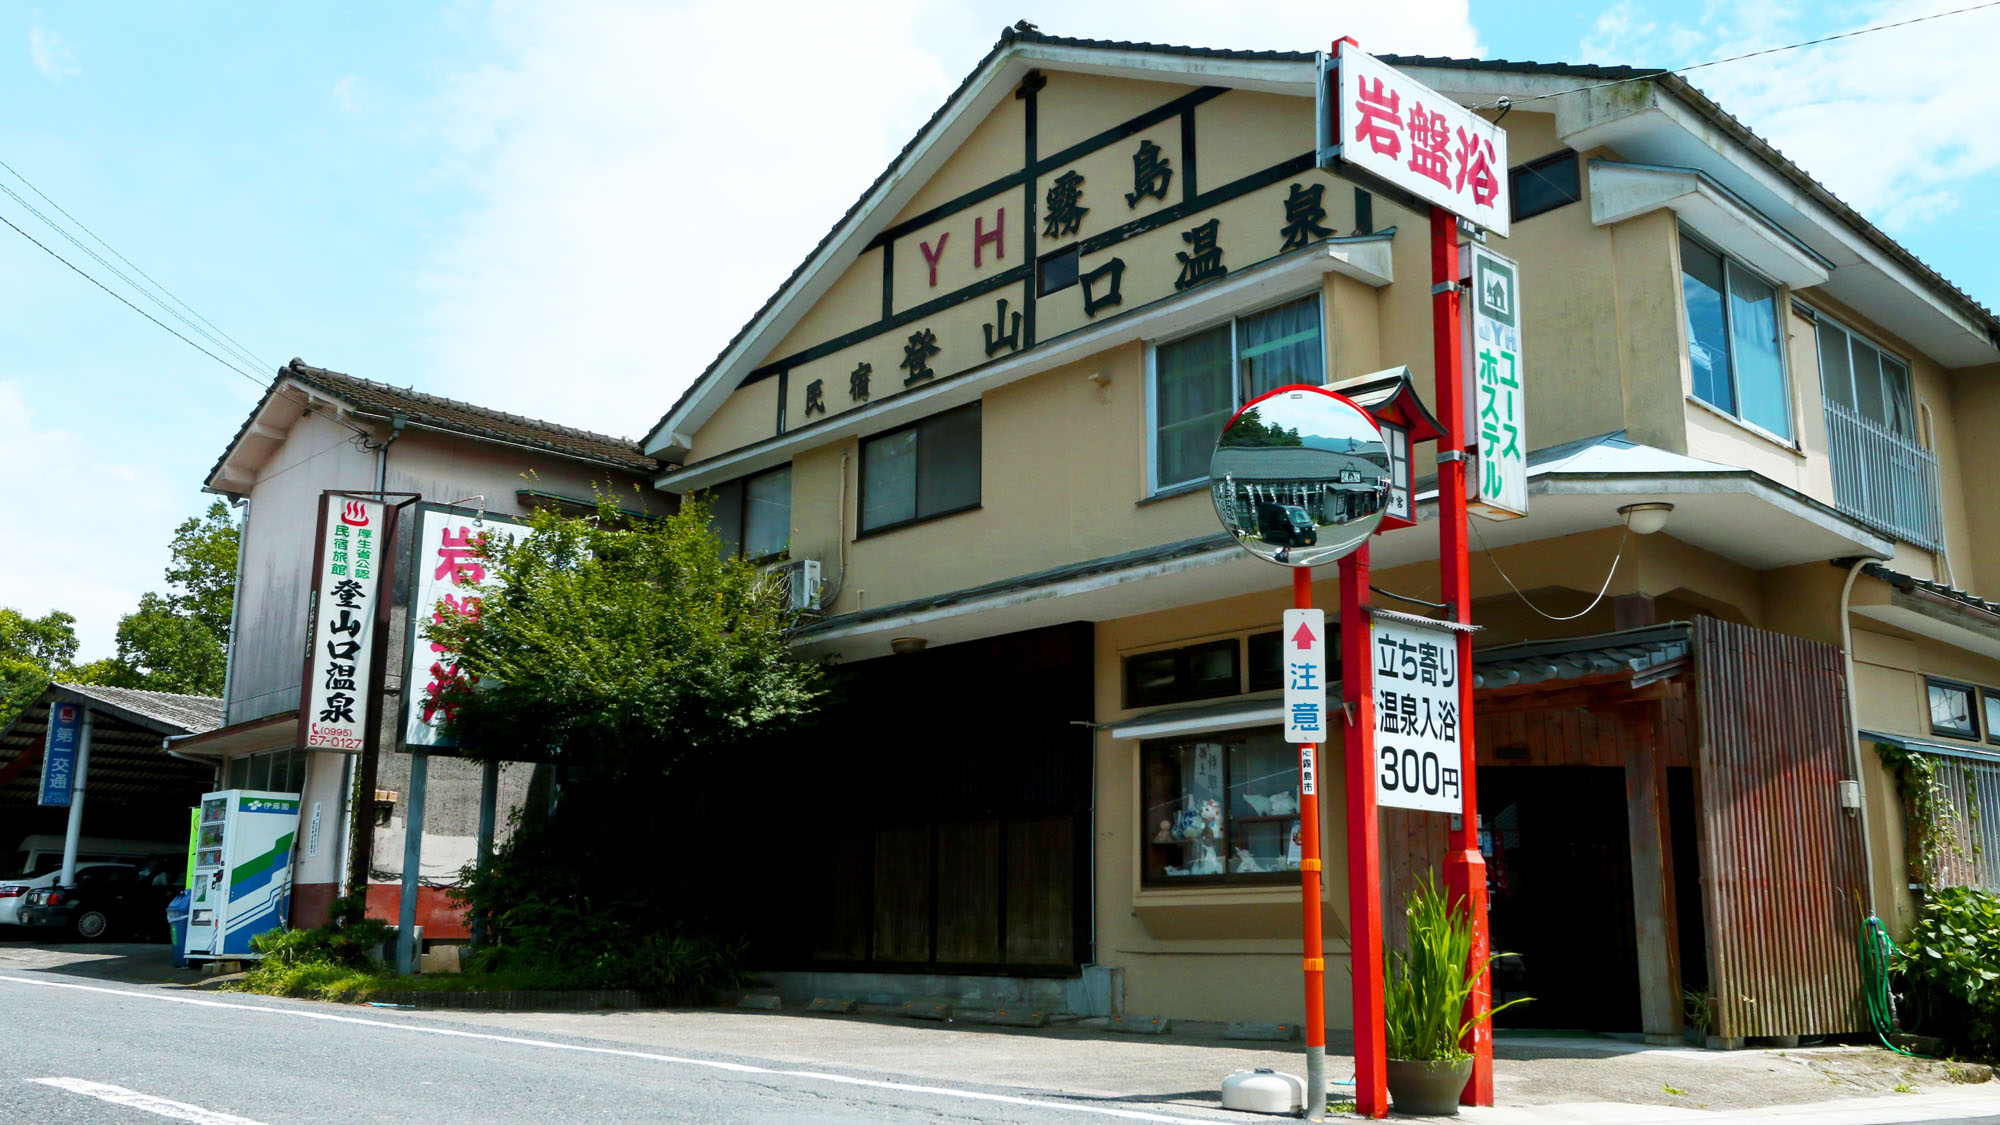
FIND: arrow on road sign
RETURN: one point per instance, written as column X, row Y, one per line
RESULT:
column 1304, row 637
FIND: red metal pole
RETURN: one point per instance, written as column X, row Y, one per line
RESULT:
column 1464, row 866
column 1309, row 895
column 1364, row 867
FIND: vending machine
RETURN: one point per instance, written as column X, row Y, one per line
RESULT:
column 242, row 871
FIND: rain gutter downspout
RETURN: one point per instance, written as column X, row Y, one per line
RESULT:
column 1854, row 725
column 235, row 605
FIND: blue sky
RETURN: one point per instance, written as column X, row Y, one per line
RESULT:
column 566, row 207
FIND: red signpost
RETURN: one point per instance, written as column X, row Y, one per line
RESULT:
column 1364, row 864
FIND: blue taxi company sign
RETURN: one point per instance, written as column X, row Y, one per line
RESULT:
column 59, row 760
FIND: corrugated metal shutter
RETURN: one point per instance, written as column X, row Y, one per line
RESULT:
column 1781, row 862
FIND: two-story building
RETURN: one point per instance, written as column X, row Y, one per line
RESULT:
column 985, row 403
column 316, row 430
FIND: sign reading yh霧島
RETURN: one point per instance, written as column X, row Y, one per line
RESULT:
column 1417, row 732
column 1497, row 486
column 59, row 757
column 450, row 577
column 1383, row 122
column 334, row 708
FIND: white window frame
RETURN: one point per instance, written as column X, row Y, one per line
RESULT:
column 1782, row 295
column 1154, row 486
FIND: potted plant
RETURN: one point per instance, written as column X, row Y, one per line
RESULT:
column 1425, row 991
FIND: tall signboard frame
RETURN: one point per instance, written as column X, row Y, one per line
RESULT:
column 1386, row 130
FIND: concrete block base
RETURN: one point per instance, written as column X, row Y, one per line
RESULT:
column 1261, row 1031
column 1139, row 1025
column 762, row 1001
column 842, row 1005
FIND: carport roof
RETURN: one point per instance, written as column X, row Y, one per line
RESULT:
column 127, row 762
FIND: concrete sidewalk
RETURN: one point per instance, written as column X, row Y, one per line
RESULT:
column 1589, row 1079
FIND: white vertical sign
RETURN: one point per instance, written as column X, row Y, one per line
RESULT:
column 1497, row 485
column 334, row 707
column 1303, row 656
column 1417, row 733
column 450, row 577
column 1390, row 125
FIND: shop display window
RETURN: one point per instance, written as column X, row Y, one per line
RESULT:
column 1221, row 809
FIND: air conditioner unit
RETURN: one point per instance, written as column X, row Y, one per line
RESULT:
column 800, row 579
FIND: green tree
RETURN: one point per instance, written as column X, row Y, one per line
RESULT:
column 178, row 641
column 201, row 571
column 625, row 647
column 33, row 651
column 625, row 656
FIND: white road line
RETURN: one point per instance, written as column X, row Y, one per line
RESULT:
column 133, row 1099
column 711, row 1064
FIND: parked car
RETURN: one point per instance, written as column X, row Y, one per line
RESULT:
column 100, row 904
column 14, row 891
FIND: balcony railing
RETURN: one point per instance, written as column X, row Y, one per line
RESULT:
column 1883, row 479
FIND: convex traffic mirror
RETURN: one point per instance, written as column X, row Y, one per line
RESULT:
column 1300, row 476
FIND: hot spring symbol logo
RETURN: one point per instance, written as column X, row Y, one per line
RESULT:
column 355, row 514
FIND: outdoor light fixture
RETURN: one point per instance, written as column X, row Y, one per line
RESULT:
column 1645, row 519
column 907, row 646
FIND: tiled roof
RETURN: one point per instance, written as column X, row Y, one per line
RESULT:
column 190, row 714
column 1647, row 654
column 1903, row 581
column 371, row 397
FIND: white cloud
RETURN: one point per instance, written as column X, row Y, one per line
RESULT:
column 101, row 525
column 347, row 93
column 1893, row 121
column 52, row 55
column 648, row 174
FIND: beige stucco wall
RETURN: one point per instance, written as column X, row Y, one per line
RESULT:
column 1064, row 475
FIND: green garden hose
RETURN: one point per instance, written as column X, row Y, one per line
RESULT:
column 1878, row 949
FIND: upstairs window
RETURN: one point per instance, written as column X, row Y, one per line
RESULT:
column 1734, row 339
column 1545, row 184
column 1865, row 380
column 1951, row 709
column 752, row 515
column 921, row 471
column 1201, row 379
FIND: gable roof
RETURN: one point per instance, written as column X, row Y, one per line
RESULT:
column 1022, row 48
column 368, row 398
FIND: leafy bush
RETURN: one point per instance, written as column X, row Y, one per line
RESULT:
column 1426, row 987
column 350, row 938
column 1950, row 970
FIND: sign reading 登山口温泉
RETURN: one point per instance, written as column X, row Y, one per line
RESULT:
column 1417, row 732
column 1497, row 485
column 59, row 757
column 334, row 708
column 1303, row 643
column 1389, row 125
column 451, row 577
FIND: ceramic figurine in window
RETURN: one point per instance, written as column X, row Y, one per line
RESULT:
column 1282, row 803
column 1211, row 818
column 1245, row 862
column 1207, row 860
column 1188, row 826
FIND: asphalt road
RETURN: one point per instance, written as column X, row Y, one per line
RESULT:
column 82, row 1051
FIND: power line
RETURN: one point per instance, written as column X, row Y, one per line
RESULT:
column 1650, row 75
column 121, row 299
column 126, row 278
column 240, row 349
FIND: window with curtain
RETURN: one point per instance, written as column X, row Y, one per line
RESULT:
column 921, row 471
column 1201, row 379
column 1865, row 379
column 1735, row 339
column 752, row 516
